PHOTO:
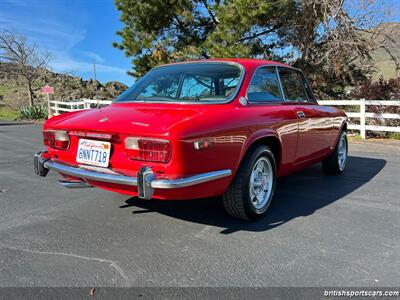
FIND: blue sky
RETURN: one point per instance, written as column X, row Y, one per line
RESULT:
column 75, row 31
column 80, row 31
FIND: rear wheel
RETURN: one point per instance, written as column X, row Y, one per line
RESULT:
column 250, row 193
column 336, row 162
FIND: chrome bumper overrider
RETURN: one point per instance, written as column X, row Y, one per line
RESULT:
column 146, row 181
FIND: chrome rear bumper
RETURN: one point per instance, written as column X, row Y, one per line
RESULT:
column 146, row 180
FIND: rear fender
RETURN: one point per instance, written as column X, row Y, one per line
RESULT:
column 254, row 139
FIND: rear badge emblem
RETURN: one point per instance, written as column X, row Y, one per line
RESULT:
column 103, row 120
column 140, row 124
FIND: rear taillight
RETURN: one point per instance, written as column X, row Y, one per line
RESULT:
column 48, row 138
column 56, row 139
column 148, row 149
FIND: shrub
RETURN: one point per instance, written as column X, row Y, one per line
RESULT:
column 377, row 90
column 32, row 113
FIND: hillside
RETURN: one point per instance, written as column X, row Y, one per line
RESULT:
column 382, row 61
column 66, row 87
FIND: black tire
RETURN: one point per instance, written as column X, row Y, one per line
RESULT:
column 237, row 200
column 331, row 164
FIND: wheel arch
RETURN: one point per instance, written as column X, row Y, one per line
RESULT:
column 344, row 126
column 271, row 140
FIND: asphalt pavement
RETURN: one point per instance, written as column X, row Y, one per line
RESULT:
column 321, row 230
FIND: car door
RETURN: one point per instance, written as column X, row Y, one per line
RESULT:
column 315, row 124
column 265, row 96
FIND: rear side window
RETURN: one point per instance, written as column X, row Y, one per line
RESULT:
column 308, row 89
column 264, row 86
column 292, row 85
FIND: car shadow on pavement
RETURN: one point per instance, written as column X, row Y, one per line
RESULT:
column 297, row 195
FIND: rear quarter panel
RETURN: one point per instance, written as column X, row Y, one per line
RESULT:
column 339, row 120
column 232, row 130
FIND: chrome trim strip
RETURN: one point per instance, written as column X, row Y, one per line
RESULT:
column 280, row 84
column 189, row 181
column 80, row 173
column 133, row 181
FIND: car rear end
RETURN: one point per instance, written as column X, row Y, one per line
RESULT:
column 136, row 161
column 150, row 141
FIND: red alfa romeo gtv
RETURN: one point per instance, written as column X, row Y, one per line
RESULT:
column 199, row 129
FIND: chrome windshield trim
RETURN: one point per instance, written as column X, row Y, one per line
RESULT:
column 227, row 100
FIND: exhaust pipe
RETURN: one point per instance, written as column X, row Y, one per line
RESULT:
column 74, row 184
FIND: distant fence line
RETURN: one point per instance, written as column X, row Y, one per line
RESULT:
column 59, row 107
column 363, row 114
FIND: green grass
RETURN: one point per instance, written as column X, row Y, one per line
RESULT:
column 395, row 136
column 7, row 113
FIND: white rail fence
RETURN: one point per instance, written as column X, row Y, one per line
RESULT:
column 363, row 114
column 59, row 107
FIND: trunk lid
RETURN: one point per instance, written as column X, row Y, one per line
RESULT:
column 119, row 121
column 129, row 118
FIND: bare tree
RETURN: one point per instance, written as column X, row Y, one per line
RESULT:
column 387, row 38
column 340, row 33
column 30, row 62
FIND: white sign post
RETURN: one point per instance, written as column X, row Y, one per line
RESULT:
column 48, row 90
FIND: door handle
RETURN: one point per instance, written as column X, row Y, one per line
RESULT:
column 301, row 114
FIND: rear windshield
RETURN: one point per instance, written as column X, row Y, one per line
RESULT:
column 188, row 82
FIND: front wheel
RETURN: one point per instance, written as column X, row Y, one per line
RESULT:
column 250, row 193
column 336, row 162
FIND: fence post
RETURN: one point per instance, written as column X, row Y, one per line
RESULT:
column 362, row 118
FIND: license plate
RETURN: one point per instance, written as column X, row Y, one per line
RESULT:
column 96, row 153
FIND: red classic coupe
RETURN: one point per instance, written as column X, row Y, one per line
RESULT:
column 199, row 129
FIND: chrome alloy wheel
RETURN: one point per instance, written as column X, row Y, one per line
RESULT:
column 342, row 152
column 261, row 181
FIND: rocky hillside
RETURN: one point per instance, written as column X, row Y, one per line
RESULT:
column 66, row 87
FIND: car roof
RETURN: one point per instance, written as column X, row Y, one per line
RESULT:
column 245, row 62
